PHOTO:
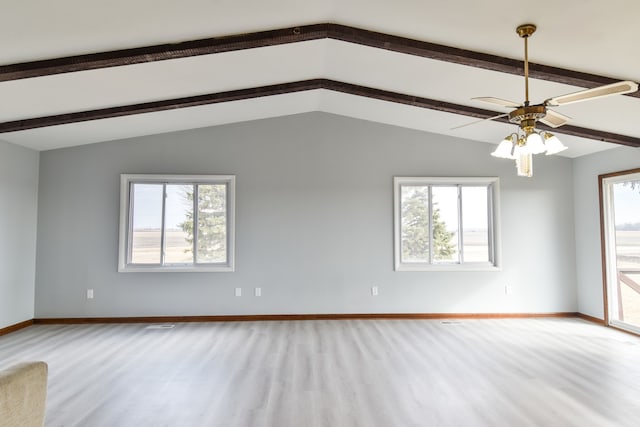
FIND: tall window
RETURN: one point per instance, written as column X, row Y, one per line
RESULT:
column 620, row 210
column 176, row 223
column 445, row 223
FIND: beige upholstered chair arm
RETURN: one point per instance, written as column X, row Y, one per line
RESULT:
column 23, row 392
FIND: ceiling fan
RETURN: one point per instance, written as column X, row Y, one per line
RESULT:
column 527, row 141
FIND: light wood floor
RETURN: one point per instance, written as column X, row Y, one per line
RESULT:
column 512, row 372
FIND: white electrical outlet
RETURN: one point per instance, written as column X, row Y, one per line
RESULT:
column 258, row 292
column 508, row 290
column 238, row 292
column 374, row 291
column 89, row 293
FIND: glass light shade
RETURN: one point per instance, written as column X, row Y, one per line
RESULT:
column 553, row 144
column 534, row 144
column 524, row 165
column 504, row 149
column 520, row 148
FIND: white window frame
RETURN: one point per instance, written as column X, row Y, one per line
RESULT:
column 126, row 216
column 493, row 184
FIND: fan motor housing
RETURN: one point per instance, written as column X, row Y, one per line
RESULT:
column 533, row 112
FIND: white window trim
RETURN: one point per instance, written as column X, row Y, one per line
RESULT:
column 494, row 212
column 125, row 194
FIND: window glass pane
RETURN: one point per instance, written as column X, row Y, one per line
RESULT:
column 475, row 224
column 212, row 223
column 626, row 206
column 445, row 223
column 146, row 223
column 414, row 223
column 178, row 222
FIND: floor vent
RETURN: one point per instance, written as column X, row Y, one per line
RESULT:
column 451, row 322
column 164, row 326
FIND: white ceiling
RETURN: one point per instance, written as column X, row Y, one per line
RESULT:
column 583, row 35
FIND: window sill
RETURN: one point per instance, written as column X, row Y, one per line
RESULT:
column 445, row 267
column 176, row 269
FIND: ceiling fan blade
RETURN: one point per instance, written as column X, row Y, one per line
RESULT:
column 619, row 88
column 480, row 121
column 554, row 119
column 498, row 101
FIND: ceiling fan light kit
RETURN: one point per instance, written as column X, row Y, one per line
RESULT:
column 527, row 141
column 521, row 148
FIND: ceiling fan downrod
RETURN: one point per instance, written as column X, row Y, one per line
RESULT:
column 525, row 31
column 527, row 115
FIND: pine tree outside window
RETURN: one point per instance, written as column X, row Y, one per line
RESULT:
column 446, row 223
column 177, row 223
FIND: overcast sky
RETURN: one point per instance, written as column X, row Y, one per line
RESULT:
column 626, row 204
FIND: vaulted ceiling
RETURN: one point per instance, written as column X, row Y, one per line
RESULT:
column 74, row 72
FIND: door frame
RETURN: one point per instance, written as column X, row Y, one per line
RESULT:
column 605, row 232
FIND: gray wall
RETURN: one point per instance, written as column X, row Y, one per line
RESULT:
column 18, row 198
column 587, row 222
column 314, row 224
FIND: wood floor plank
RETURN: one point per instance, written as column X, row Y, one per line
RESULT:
column 317, row 373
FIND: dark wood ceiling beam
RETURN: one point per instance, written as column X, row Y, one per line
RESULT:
column 477, row 113
column 155, row 106
column 162, row 52
column 294, row 35
column 285, row 88
column 467, row 57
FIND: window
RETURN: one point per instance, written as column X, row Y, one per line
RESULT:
column 620, row 223
column 176, row 223
column 446, row 224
